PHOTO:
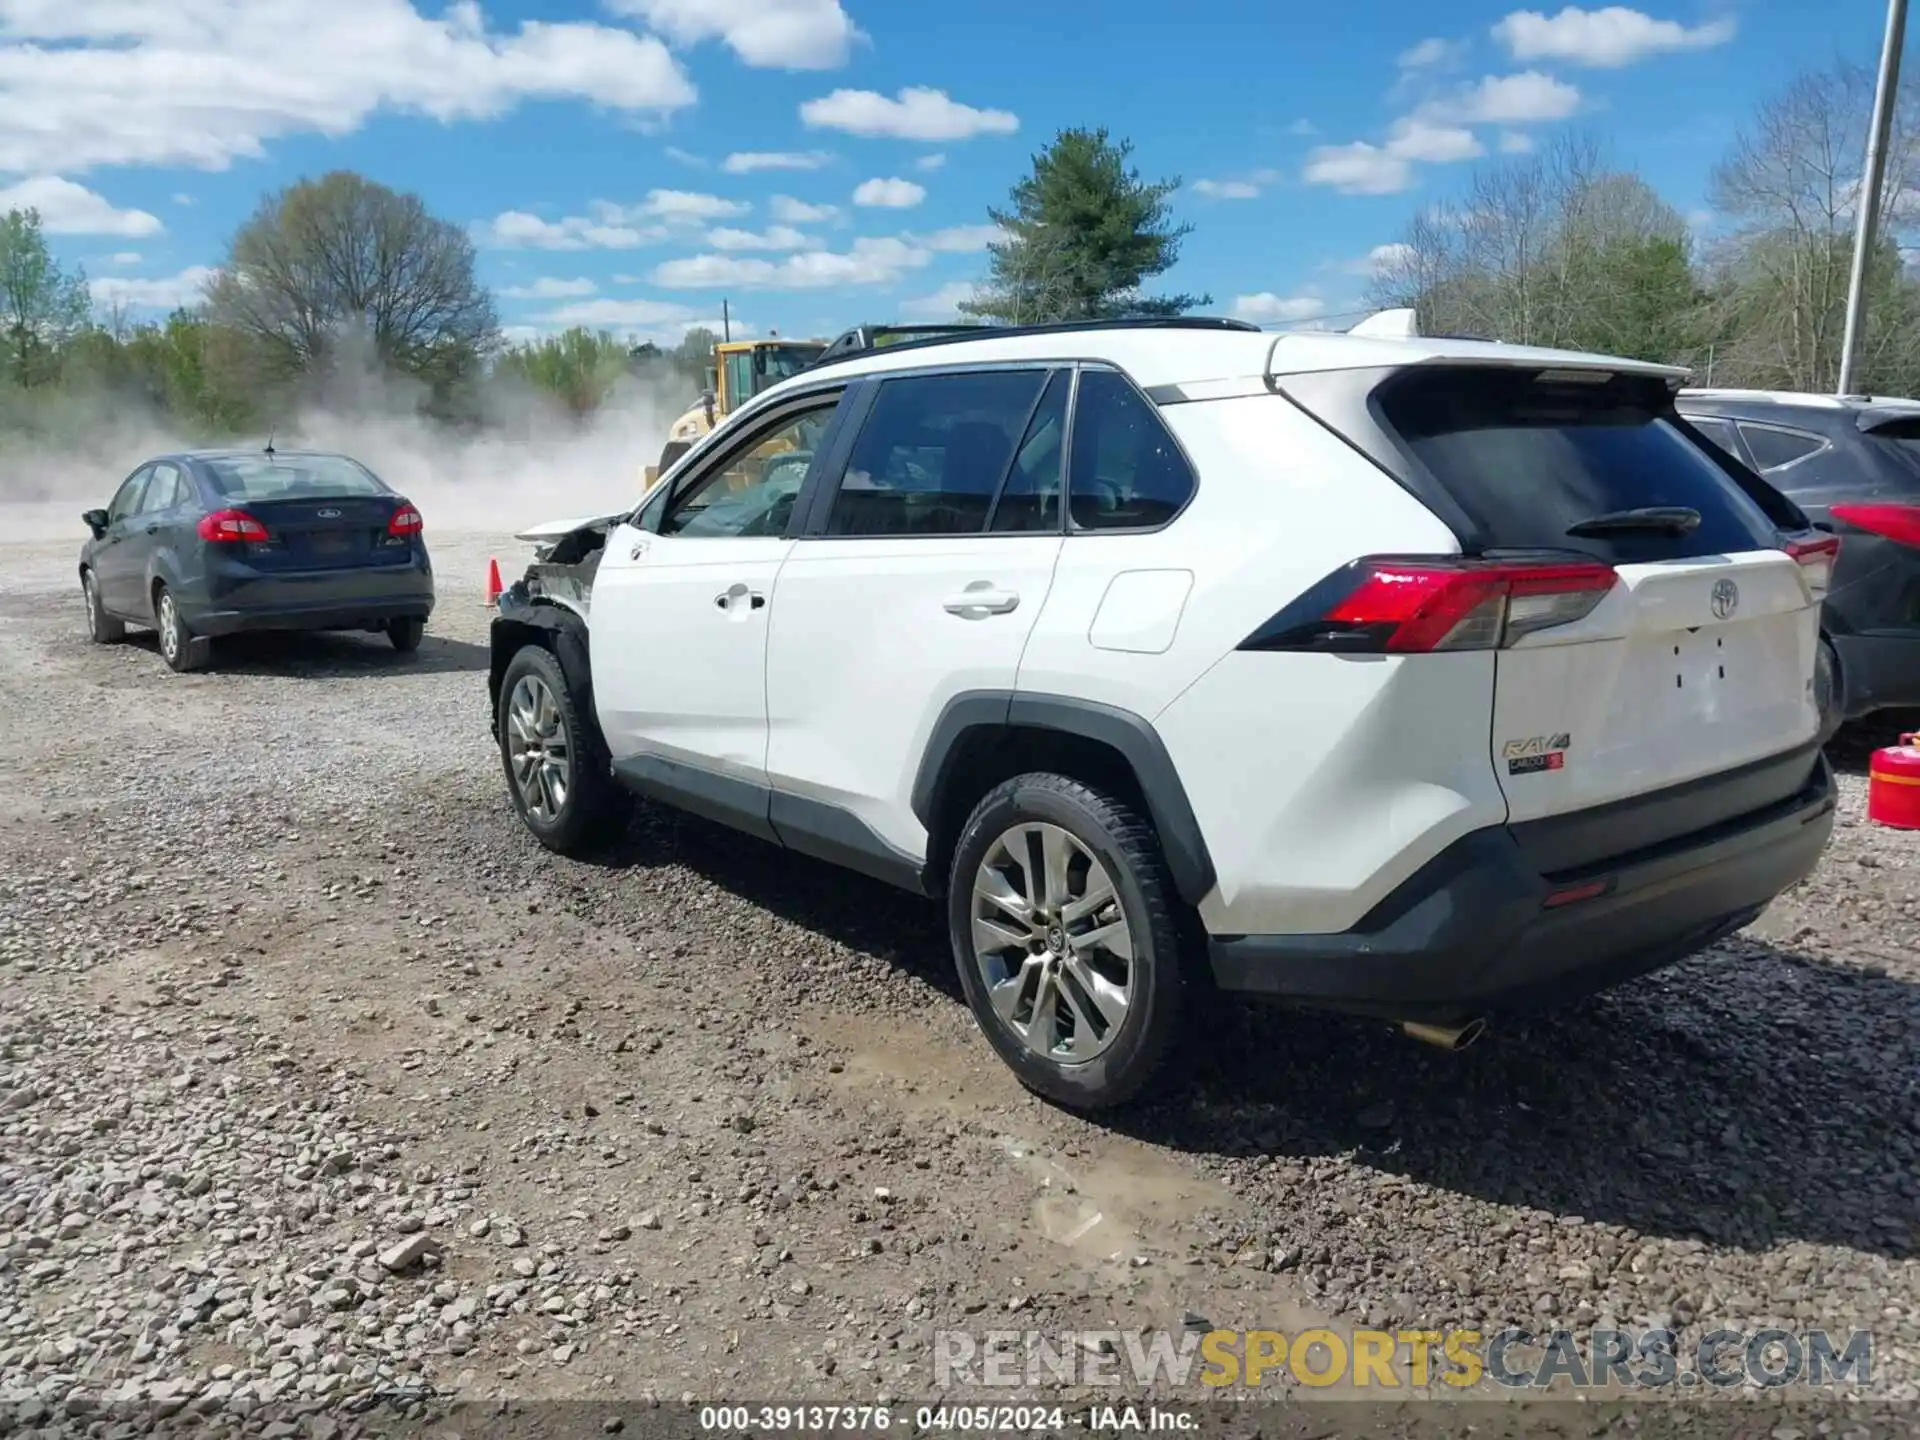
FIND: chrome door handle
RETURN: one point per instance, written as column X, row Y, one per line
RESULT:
column 981, row 598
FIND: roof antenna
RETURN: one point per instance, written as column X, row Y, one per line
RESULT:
column 270, row 444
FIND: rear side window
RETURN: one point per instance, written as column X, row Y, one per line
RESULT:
column 933, row 452
column 1530, row 456
column 1772, row 448
column 1128, row 474
column 1898, row 441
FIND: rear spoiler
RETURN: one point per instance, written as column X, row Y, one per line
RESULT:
column 1879, row 417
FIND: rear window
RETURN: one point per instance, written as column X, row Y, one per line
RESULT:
column 291, row 477
column 1528, row 456
column 1899, row 440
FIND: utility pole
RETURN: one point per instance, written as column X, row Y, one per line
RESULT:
column 1867, row 201
column 726, row 322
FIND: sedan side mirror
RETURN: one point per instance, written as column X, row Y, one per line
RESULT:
column 96, row 522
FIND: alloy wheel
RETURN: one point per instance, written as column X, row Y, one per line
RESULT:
column 1052, row 942
column 537, row 749
column 168, row 621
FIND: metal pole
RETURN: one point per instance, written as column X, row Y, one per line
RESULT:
column 726, row 322
column 1868, row 200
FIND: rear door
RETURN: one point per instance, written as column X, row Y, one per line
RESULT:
column 1701, row 657
column 919, row 577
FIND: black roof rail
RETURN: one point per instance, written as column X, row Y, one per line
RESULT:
column 861, row 340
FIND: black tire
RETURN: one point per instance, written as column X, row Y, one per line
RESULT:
column 1112, row 833
column 179, row 646
column 594, row 807
column 405, row 633
column 1829, row 690
column 102, row 628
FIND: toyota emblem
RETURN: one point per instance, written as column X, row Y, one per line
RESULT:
column 1726, row 599
column 331, row 514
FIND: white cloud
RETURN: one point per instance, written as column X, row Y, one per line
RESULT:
column 1379, row 260
column 889, row 194
column 170, row 292
column 1415, row 139
column 790, row 211
column 767, row 34
column 549, row 287
column 124, row 257
column 206, row 82
column 1515, row 142
column 607, row 226
column 747, row 162
column 1226, row 189
column 1358, row 169
column 918, row 113
column 691, row 205
column 1303, row 128
column 1266, row 308
column 182, row 198
column 867, row 262
column 617, row 312
column 1603, row 39
column 961, row 239
column 1508, row 100
column 1429, row 53
column 942, row 304
column 685, row 157
column 930, row 162
column 69, row 209
column 774, row 237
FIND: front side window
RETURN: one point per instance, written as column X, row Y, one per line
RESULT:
column 127, row 498
column 753, row 490
column 1128, row 474
column 933, row 452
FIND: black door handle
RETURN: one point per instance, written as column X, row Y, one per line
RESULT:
column 758, row 601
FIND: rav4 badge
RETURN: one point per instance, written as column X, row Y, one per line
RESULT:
column 1537, row 752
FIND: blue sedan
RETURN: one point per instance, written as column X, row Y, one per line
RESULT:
column 214, row 542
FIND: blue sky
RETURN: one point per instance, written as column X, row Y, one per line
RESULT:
column 630, row 163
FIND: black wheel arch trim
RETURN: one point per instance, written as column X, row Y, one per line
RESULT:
column 553, row 628
column 1133, row 738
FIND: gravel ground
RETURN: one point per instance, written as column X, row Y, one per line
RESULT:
column 320, row 1085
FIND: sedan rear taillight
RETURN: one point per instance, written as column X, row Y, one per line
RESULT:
column 229, row 527
column 1816, row 559
column 406, row 521
column 1898, row 523
column 1412, row 606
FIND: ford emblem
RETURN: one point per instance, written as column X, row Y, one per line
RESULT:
column 335, row 515
column 1725, row 600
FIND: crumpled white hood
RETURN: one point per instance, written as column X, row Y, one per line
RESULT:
column 555, row 529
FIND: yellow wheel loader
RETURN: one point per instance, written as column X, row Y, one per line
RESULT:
column 741, row 369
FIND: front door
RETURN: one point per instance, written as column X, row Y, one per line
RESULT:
column 116, row 566
column 678, row 630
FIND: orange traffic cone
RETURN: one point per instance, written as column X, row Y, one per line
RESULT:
column 493, row 583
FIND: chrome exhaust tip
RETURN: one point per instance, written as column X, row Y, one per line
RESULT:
column 1445, row 1037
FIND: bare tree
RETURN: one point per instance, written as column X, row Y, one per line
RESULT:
column 330, row 265
column 1789, row 185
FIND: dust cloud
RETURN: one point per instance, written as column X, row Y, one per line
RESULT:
column 527, row 460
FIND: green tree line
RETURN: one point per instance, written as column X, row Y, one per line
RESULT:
column 339, row 281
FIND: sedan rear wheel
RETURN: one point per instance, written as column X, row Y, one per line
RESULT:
column 179, row 646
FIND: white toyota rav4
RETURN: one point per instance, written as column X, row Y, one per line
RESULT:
column 1416, row 678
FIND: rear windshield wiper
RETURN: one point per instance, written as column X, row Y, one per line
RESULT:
column 1668, row 519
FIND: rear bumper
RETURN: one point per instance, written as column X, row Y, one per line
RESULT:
column 236, row 597
column 1880, row 672
column 1472, row 932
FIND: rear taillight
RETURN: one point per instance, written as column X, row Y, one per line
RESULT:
column 1423, row 604
column 1816, row 560
column 226, row 527
column 406, row 521
column 1899, row 523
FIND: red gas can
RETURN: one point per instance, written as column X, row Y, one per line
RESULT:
column 1893, row 784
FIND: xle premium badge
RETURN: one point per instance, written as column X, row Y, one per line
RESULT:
column 1536, row 752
